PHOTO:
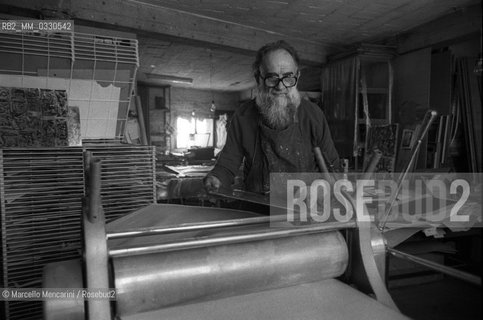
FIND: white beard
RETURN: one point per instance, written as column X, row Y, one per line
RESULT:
column 277, row 110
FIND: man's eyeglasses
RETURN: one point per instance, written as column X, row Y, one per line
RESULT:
column 272, row 81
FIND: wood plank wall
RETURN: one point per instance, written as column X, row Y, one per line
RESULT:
column 411, row 97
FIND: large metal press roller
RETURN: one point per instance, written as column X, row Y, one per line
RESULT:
column 181, row 262
column 154, row 281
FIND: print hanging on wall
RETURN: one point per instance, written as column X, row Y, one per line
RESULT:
column 384, row 138
column 36, row 118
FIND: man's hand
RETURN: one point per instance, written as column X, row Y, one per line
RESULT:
column 212, row 183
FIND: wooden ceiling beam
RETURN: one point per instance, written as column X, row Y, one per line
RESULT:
column 458, row 25
column 143, row 17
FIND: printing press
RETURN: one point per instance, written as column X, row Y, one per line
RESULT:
column 182, row 262
column 169, row 261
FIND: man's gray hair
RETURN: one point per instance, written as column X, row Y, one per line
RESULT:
column 270, row 47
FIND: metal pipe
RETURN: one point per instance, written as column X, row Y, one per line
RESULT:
column 436, row 266
column 376, row 157
column 94, row 191
column 425, row 125
column 95, row 245
column 195, row 226
column 236, row 238
column 319, row 158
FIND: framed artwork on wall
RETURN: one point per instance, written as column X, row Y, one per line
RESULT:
column 407, row 138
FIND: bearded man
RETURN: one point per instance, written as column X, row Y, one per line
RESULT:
column 275, row 132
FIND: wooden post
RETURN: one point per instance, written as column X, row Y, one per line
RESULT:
column 142, row 126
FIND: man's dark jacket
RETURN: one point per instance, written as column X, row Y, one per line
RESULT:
column 243, row 140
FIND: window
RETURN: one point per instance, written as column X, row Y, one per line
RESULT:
column 194, row 131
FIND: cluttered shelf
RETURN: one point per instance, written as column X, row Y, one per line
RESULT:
column 179, row 175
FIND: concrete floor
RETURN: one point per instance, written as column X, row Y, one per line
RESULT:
column 446, row 299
